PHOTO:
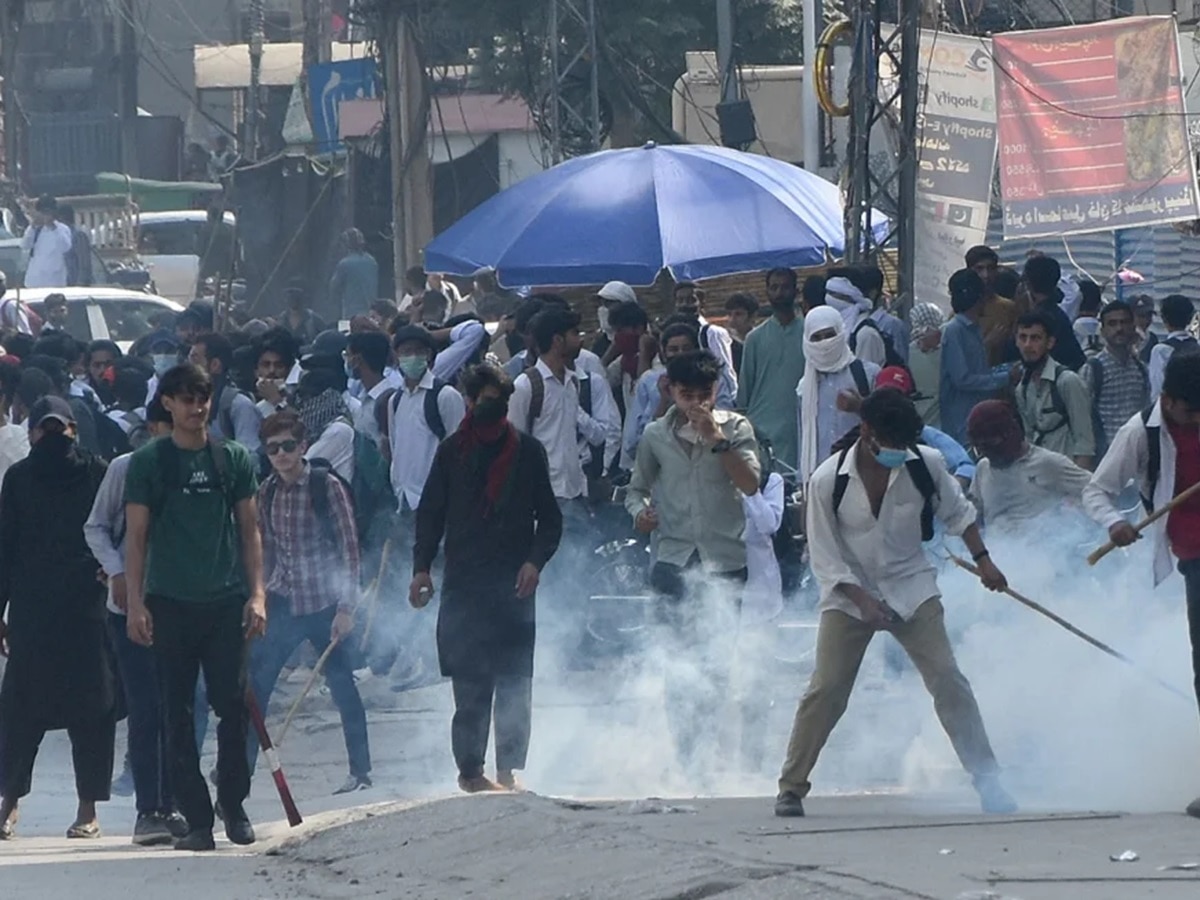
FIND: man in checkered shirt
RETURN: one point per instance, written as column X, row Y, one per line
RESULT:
column 311, row 562
column 1118, row 382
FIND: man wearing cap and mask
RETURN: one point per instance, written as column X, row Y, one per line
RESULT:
column 59, row 673
column 1016, row 482
column 610, row 297
column 834, row 383
column 772, row 366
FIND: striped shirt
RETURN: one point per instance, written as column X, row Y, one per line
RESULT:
column 298, row 561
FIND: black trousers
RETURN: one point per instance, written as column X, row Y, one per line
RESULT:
column 91, row 756
column 1190, row 569
column 188, row 638
column 474, row 697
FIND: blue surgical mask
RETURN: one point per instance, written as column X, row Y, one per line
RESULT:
column 164, row 362
column 890, row 458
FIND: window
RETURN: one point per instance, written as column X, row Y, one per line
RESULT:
column 128, row 320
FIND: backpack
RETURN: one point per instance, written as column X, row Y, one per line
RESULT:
column 1056, row 404
column 921, row 477
column 111, row 440
column 320, row 471
column 1154, row 464
column 222, row 410
column 891, row 357
column 168, row 465
column 139, row 432
column 433, row 413
column 1097, row 374
column 371, row 486
column 1188, row 344
column 859, row 372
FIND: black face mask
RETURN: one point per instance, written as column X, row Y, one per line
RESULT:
column 490, row 411
column 54, row 444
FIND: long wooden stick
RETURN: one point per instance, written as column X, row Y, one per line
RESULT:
column 1083, row 635
column 312, row 679
column 1100, row 552
column 373, row 594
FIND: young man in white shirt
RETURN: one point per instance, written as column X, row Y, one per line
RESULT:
column 418, row 416
column 689, row 302
column 869, row 509
column 545, row 405
column 46, row 245
column 367, row 360
column 1159, row 451
column 1177, row 314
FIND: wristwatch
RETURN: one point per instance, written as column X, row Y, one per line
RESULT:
column 722, row 446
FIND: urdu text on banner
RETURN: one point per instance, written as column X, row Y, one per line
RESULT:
column 1093, row 133
column 956, row 146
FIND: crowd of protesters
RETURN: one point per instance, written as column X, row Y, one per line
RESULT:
column 176, row 520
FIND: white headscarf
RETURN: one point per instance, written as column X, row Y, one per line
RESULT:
column 848, row 300
column 831, row 355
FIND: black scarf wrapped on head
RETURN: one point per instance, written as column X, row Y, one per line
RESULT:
column 57, row 456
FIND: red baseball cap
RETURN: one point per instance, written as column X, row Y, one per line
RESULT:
column 895, row 377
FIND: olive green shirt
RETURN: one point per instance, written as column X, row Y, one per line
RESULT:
column 699, row 508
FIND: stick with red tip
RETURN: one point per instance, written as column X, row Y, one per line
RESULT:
column 268, row 749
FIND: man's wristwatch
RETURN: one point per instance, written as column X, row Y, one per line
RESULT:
column 722, row 446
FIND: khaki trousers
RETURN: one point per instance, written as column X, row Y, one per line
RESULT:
column 842, row 641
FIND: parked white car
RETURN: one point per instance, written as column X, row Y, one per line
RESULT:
column 169, row 246
column 103, row 313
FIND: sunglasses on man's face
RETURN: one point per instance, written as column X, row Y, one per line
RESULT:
column 274, row 447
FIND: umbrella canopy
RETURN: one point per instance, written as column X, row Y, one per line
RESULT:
column 696, row 210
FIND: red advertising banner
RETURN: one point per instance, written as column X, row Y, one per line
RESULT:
column 1092, row 128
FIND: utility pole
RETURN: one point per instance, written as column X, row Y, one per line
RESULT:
column 896, row 47
column 318, row 34
column 408, row 127
column 252, row 104
column 576, row 125
column 729, row 86
column 810, row 110
column 128, row 87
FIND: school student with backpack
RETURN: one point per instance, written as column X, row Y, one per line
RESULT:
column 867, row 556
column 1052, row 400
column 1159, row 451
column 194, row 576
column 1177, row 314
column 311, row 554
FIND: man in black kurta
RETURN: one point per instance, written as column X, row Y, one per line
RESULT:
column 59, row 673
column 489, row 495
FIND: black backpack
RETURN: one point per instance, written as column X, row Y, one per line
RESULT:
column 320, row 472
column 891, row 356
column 921, row 477
column 1154, row 463
column 168, row 465
column 433, row 414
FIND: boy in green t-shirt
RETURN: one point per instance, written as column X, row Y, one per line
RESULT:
column 193, row 556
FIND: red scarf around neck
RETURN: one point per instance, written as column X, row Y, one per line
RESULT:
column 471, row 439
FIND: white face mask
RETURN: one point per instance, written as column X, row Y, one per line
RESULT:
column 163, row 362
column 602, row 315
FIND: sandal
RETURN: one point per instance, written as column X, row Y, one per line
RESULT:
column 85, row 831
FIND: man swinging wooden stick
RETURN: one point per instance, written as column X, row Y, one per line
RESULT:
column 1159, row 450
